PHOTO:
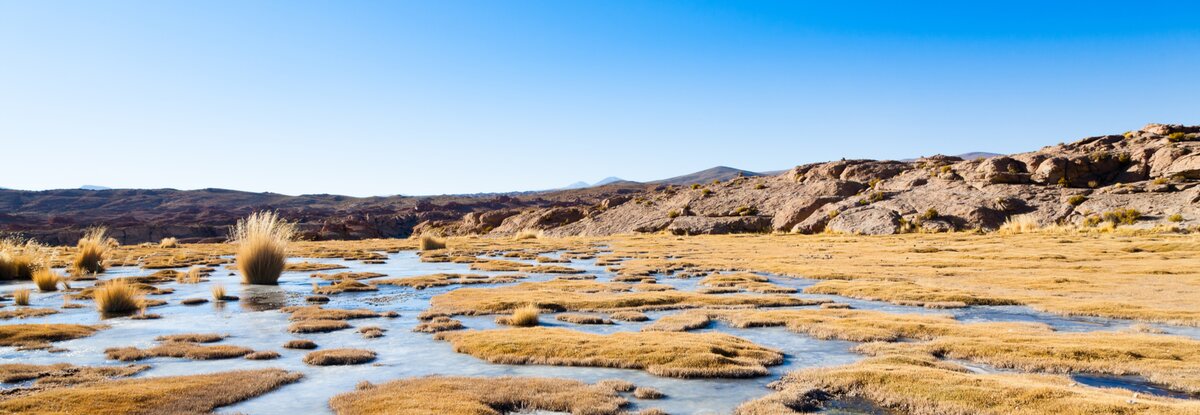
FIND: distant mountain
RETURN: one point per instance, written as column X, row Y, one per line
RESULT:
column 577, row 185
column 608, row 180
column 977, row 155
column 93, row 187
column 602, row 182
column 721, row 173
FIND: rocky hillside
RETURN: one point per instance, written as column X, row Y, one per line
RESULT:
column 1154, row 171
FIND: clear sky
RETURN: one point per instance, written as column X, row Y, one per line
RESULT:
column 441, row 96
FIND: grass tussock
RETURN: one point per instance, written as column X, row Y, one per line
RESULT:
column 40, row 335
column 21, row 296
column 648, row 393
column 431, row 243
column 47, row 280
column 684, row 355
column 906, row 293
column 194, row 275
column 526, row 316
column 118, row 297
column 478, row 396
column 300, row 344
column 192, row 337
column 745, row 281
column 168, row 243
column 571, row 295
column 91, row 251
column 629, row 316
column 339, row 357
column 26, row 312
column 263, row 355
column 192, row 394
column 262, row 242
column 19, row 259
column 313, row 312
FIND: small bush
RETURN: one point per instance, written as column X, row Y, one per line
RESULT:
column 760, row 186
column 262, row 240
column 695, row 185
column 1160, row 181
column 19, row 259
column 930, row 214
column 1175, row 218
column 46, row 280
column 92, row 249
column 1176, row 137
column 1123, row 216
column 21, row 296
column 118, row 297
column 673, row 214
column 430, row 243
column 1062, row 182
column 339, row 357
column 1076, row 200
column 705, row 192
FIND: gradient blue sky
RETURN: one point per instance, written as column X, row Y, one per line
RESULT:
column 430, row 97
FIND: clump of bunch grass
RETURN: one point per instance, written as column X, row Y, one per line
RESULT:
column 118, row 297
column 47, row 280
column 526, row 316
column 92, row 250
column 21, row 296
column 262, row 240
column 168, row 243
column 339, row 357
column 478, row 395
column 430, row 243
column 19, row 259
column 1019, row 224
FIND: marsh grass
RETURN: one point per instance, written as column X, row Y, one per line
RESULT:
column 421, row 282
column 40, row 335
column 168, row 243
column 192, row 394
column 430, row 243
column 576, row 318
column 317, row 326
column 262, row 242
column 47, row 280
column 21, row 296
column 684, row 355
column 26, row 312
column 179, row 349
column 300, row 344
column 338, row 357
column 685, row 321
column 63, row 374
column 438, row 324
column 192, row 337
column 526, row 316
column 478, row 396
column 118, row 297
column 91, row 251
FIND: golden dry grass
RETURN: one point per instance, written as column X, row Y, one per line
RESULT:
column 19, row 259
column 684, row 321
column 745, row 281
column 262, row 247
column 526, row 316
column 569, row 295
column 26, row 312
column 21, row 296
column 118, row 297
column 317, row 326
column 629, row 316
column 685, row 355
column 91, row 251
column 343, row 286
column 648, row 393
column 339, row 357
column 438, row 395
column 421, row 282
column 311, row 266
column 168, row 243
column 47, row 280
column 218, row 292
column 40, row 335
column 61, row 374
column 922, row 385
column 576, row 318
column 430, row 243
column 300, row 344
column 178, row 349
column 192, row 394
column 313, row 312
column 438, row 324
column 192, row 337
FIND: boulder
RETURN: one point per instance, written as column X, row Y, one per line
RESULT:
column 703, row 225
column 1002, row 170
column 866, row 220
column 797, row 210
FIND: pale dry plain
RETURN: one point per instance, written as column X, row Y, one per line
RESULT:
column 1053, row 322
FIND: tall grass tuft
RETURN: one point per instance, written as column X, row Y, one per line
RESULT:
column 262, row 240
column 168, row 243
column 526, row 316
column 92, row 250
column 19, row 259
column 118, row 297
column 218, row 292
column 21, row 296
column 192, row 276
column 1018, row 224
column 429, row 243
column 46, row 280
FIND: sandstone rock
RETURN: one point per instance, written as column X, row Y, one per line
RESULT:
column 796, row 211
column 701, row 225
column 1002, row 169
column 875, row 170
column 866, row 220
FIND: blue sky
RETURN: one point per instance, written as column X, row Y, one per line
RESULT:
column 431, row 97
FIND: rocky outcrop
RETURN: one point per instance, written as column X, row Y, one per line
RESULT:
column 1155, row 170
